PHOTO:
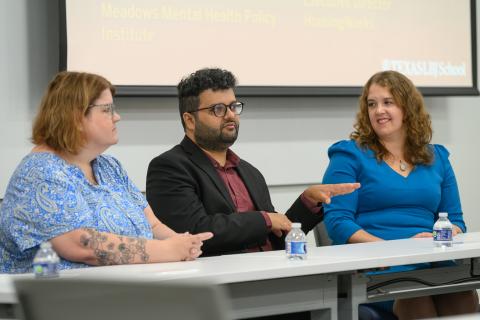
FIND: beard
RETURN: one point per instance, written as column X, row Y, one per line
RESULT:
column 213, row 139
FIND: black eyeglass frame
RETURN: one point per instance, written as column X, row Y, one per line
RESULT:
column 234, row 107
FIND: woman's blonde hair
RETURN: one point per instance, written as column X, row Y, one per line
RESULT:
column 416, row 120
column 58, row 123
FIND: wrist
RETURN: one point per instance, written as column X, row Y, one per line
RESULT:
column 268, row 221
column 310, row 204
column 458, row 229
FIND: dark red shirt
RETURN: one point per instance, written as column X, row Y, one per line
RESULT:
column 238, row 191
column 240, row 196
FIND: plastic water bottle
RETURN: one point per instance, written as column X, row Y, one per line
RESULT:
column 443, row 231
column 296, row 243
column 45, row 262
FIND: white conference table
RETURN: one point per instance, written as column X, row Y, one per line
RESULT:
column 330, row 283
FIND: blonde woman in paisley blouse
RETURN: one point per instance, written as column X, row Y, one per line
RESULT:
column 68, row 192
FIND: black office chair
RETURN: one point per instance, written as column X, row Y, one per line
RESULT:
column 77, row 299
column 369, row 312
column 365, row 311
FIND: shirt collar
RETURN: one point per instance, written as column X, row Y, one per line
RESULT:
column 232, row 160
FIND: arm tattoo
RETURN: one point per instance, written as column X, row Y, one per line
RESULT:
column 109, row 252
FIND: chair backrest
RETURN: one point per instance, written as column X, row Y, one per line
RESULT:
column 321, row 235
column 77, row 299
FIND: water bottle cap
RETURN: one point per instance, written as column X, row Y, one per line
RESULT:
column 45, row 245
column 296, row 225
column 443, row 214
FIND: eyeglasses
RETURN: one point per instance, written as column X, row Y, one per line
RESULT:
column 220, row 109
column 106, row 108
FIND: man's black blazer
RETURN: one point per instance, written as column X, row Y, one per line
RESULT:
column 187, row 194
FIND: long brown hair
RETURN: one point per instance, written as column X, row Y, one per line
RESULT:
column 416, row 120
column 58, row 123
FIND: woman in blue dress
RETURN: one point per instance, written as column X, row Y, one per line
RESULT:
column 406, row 182
column 67, row 192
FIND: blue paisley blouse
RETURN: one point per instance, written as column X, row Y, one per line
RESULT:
column 47, row 197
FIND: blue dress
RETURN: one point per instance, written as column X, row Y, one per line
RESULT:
column 47, row 197
column 389, row 205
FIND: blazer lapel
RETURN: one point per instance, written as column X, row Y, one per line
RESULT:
column 203, row 162
column 252, row 185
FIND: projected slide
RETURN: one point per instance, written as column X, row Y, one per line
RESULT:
column 297, row 43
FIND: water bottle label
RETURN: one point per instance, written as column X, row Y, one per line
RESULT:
column 442, row 235
column 44, row 270
column 297, row 247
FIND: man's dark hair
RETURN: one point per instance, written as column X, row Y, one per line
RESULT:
column 192, row 86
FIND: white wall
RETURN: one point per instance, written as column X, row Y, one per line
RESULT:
column 286, row 138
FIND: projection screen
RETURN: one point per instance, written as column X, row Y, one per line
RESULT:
column 274, row 47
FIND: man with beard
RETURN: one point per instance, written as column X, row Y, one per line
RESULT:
column 201, row 185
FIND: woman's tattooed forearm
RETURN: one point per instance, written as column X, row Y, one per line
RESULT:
column 124, row 251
